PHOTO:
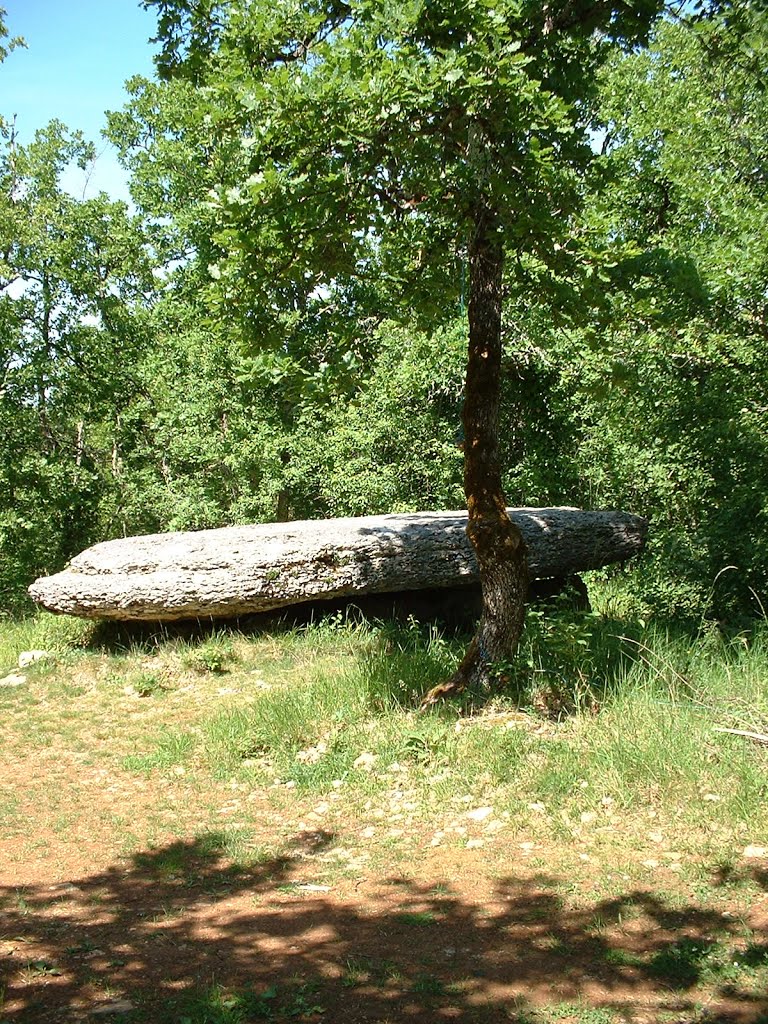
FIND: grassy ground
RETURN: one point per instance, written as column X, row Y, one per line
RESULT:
column 233, row 828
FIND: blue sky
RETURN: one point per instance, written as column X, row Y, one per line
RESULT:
column 80, row 52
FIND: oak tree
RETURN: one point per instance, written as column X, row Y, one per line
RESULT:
column 401, row 139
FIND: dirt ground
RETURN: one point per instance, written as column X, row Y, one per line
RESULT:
column 121, row 899
column 454, row 933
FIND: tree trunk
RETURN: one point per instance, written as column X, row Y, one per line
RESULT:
column 497, row 541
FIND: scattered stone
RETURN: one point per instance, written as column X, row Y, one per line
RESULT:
column 472, row 844
column 117, row 1006
column 27, row 658
column 480, row 813
column 753, row 852
column 365, row 761
column 312, row 754
column 14, row 679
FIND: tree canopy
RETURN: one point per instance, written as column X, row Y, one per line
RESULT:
column 402, row 141
column 332, row 199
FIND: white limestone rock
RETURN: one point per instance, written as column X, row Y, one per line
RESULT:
column 242, row 569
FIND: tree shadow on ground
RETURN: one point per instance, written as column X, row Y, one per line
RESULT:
column 185, row 936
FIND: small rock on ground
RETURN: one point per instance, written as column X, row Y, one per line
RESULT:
column 115, row 1007
column 27, row 658
column 14, row 679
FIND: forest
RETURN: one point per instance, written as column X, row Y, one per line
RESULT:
column 389, row 256
column 229, row 350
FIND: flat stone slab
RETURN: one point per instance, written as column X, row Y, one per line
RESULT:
column 238, row 570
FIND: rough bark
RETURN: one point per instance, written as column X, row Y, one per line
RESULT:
column 497, row 541
column 243, row 569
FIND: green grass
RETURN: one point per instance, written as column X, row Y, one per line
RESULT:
column 605, row 748
column 220, row 1006
column 172, row 747
column 417, row 919
column 577, row 1013
column 203, row 855
column 9, row 810
column 57, row 634
column 619, row 718
column 645, row 736
column 215, row 654
column 314, row 727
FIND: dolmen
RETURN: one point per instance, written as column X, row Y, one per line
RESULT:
column 239, row 570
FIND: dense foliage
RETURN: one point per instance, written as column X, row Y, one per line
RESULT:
column 138, row 391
